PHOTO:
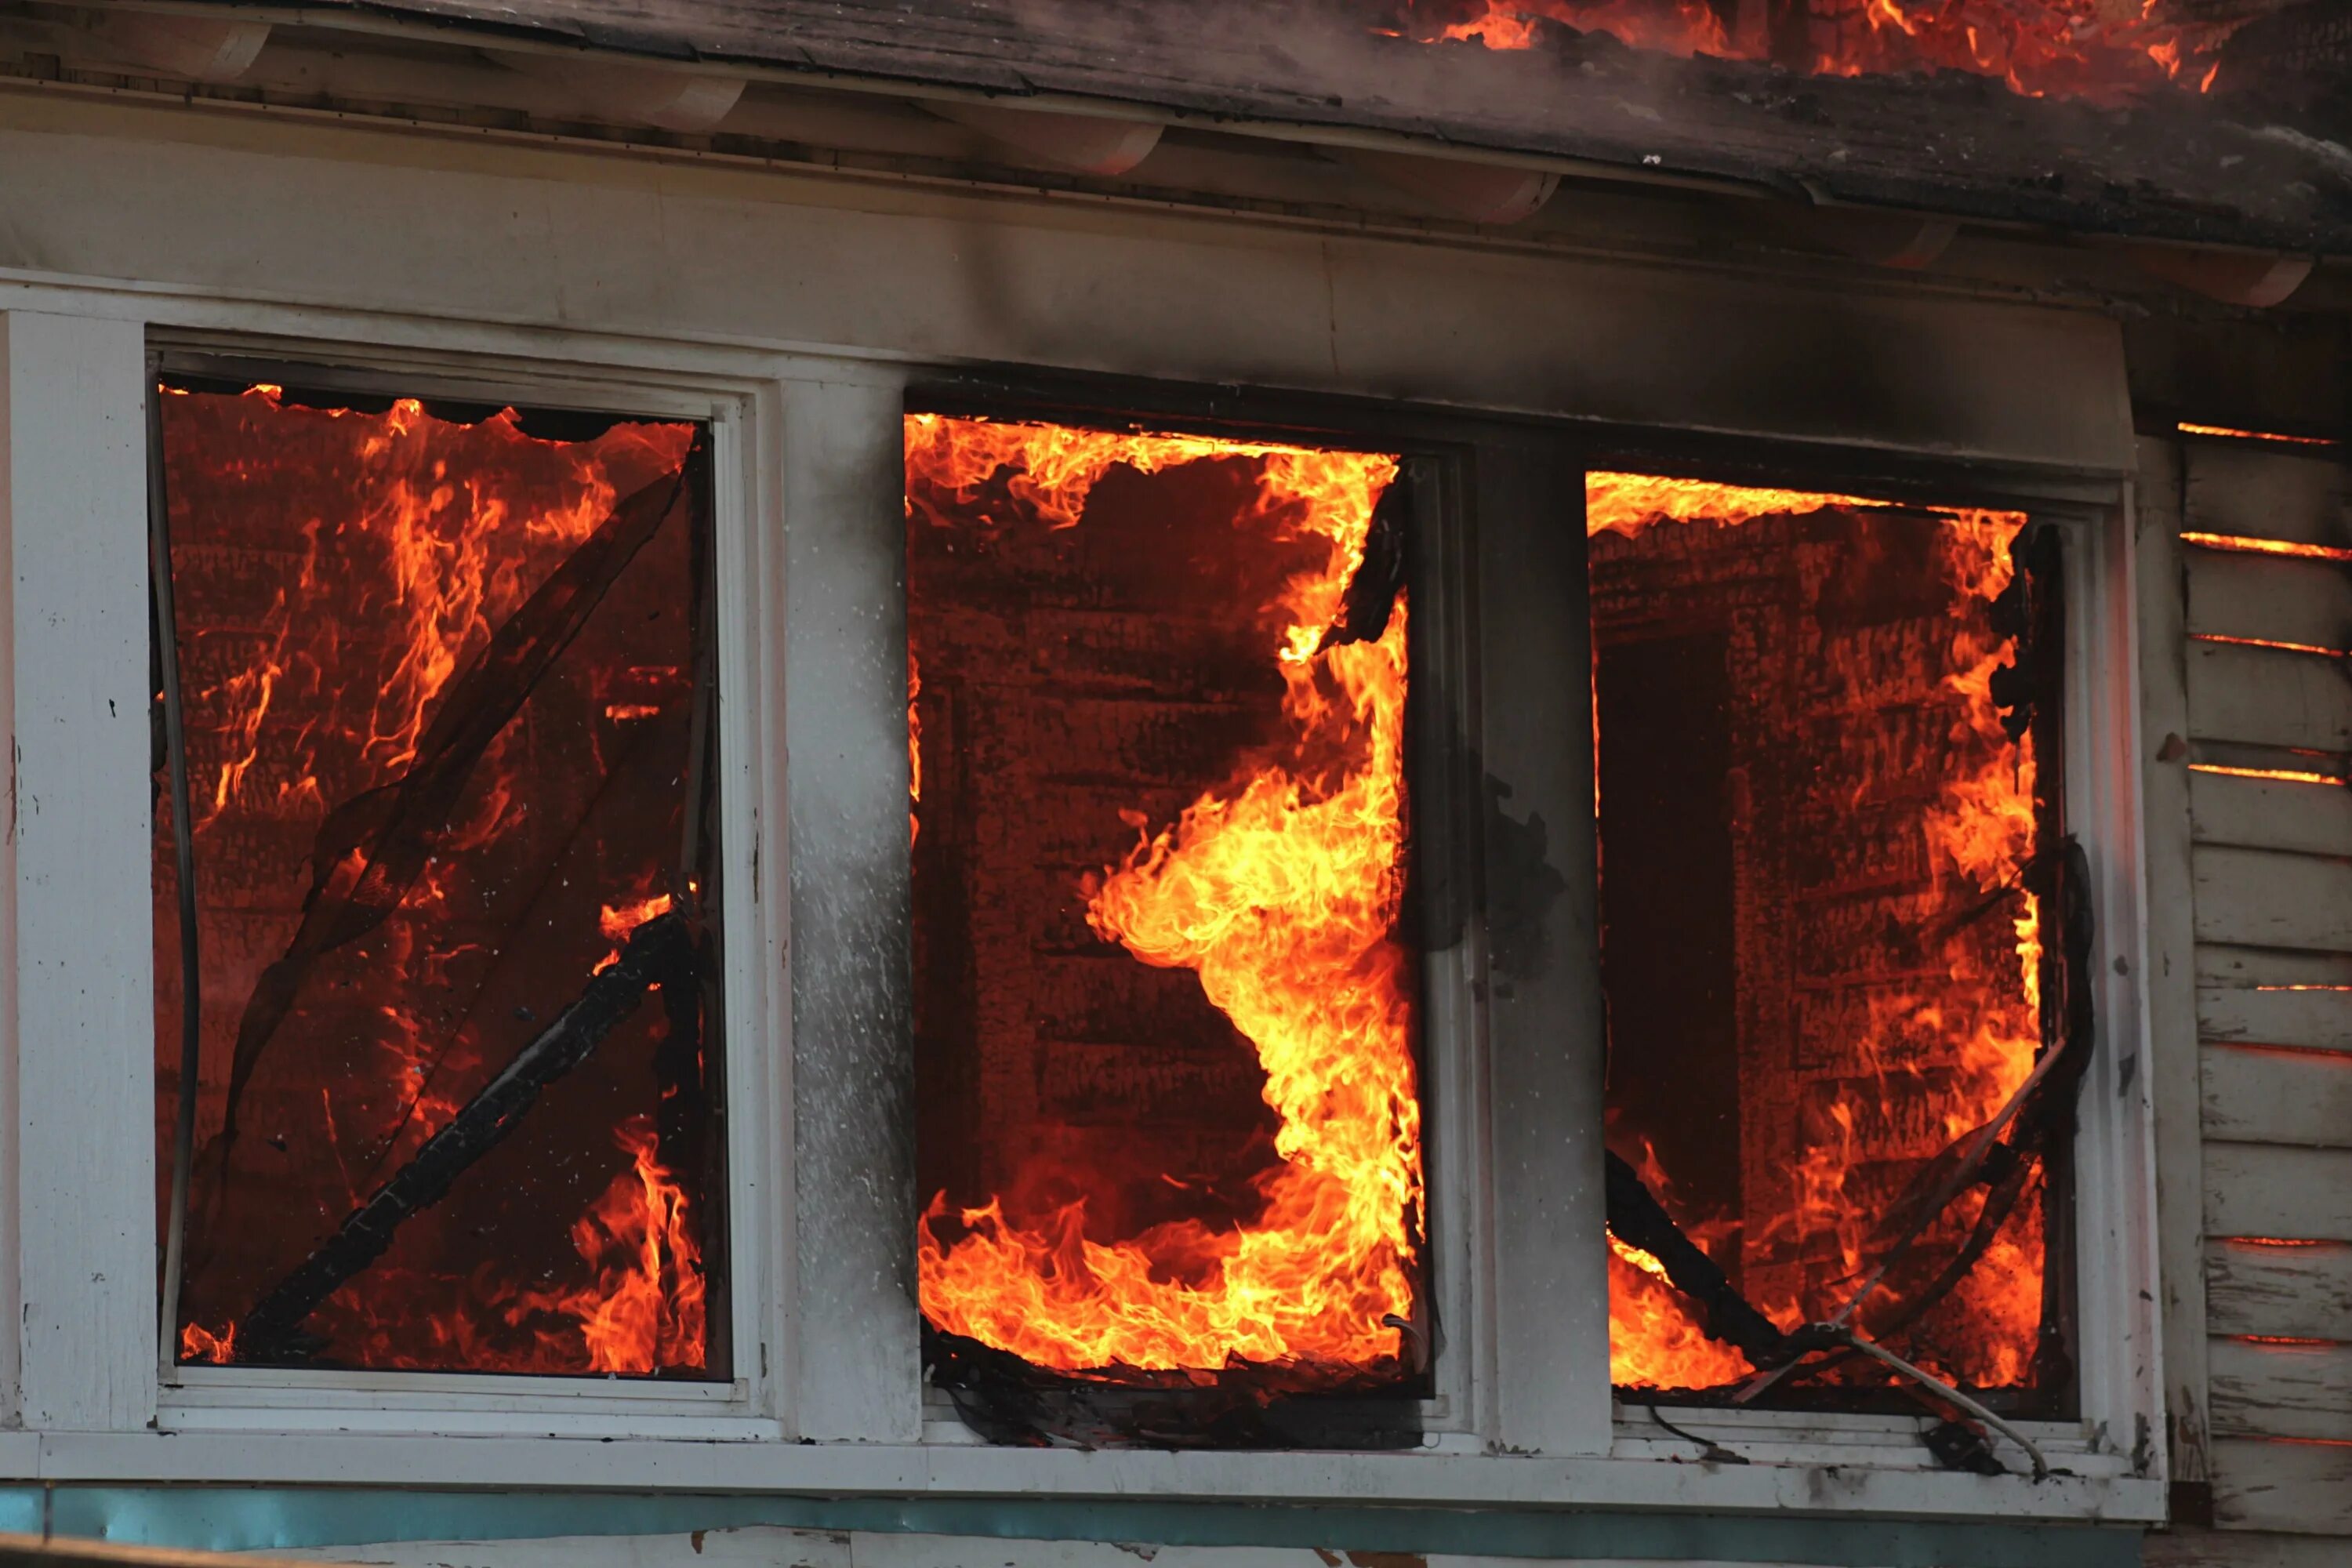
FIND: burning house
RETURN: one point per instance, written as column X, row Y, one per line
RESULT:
column 997, row 781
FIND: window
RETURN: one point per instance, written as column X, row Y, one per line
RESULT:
column 1165, row 1011
column 1839, row 990
column 1319, row 687
column 437, row 736
column 1830, row 751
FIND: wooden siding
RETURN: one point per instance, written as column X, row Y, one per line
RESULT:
column 2270, row 871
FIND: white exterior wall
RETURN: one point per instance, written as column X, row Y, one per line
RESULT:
column 2256, row 1116
column 797, row 303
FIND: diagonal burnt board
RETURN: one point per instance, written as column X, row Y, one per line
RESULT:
column 2174, row 167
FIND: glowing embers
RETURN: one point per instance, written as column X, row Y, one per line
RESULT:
column 1166, row 1096
column 458, row 1057
column 1821, row 801
column 2064, row 48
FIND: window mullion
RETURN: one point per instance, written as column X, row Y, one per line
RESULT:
column 79, row 994
column 1550, row 1294
column 856, row 1370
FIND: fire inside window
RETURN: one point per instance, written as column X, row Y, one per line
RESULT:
column 435, row 718
column 1844, row 1020
column 1169, row 1123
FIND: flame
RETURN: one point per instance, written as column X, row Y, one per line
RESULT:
column 914, row 747
column 2321, row 650
column 1981, row 829
column 1281, row 891
column 2267, row 546
column 336, row 568
column 1674, row 26
column 617, row 921
column 2222, row 430
column 645, row 1311
column 198, row 1343
column 2067, row 47
column 2283, row 776
column 640, row 1309
column 1653, row 1339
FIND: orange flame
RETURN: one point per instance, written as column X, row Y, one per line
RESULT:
column 1282, row 891
column 2239, row 541
column 2320, row 649
column 1981, row 829
column 198, row 1343
column 2225, row 432
column 2069, row 47
column 644, row 1312
column 618, row 921
column 2281, row 775
column 914, row 747
column 337, row 569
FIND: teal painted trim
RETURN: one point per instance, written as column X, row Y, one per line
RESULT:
column 292, row 1518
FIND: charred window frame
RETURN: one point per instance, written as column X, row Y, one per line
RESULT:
column 719, row 711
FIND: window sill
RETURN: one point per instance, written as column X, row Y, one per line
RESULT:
column 1849, row 1485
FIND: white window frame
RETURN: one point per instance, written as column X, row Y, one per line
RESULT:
column 2117, row 1345
column 827, row 1395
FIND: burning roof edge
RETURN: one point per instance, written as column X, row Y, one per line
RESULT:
column 2180, row 170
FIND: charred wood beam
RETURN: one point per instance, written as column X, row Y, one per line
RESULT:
column 1371, row 594
column 661, row 952
column 1637, row 1219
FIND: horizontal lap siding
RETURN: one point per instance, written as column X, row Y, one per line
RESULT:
column 2272, row 874
column 2299, row 1485
column 2302, row 1291
column 2264, row 696
column 2269, row 813
column 2270, row 598
column 2261, row 1094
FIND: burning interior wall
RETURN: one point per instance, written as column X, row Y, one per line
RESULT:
column 1168, row 1117
column 1826, row 771
column 443, row 704
column 1826, row 833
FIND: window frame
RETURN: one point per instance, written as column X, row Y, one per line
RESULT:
column 1512, row 596
column 194, row 1397
column 2117, row 1336
column 832, row 1363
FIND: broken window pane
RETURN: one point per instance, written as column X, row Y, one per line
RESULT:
column 448, row 710
column 1826, row 771
column 1166, row 1086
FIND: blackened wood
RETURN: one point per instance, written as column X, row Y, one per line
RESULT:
column 660, row 951
column 1372, row 595
column 1636, row 1218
